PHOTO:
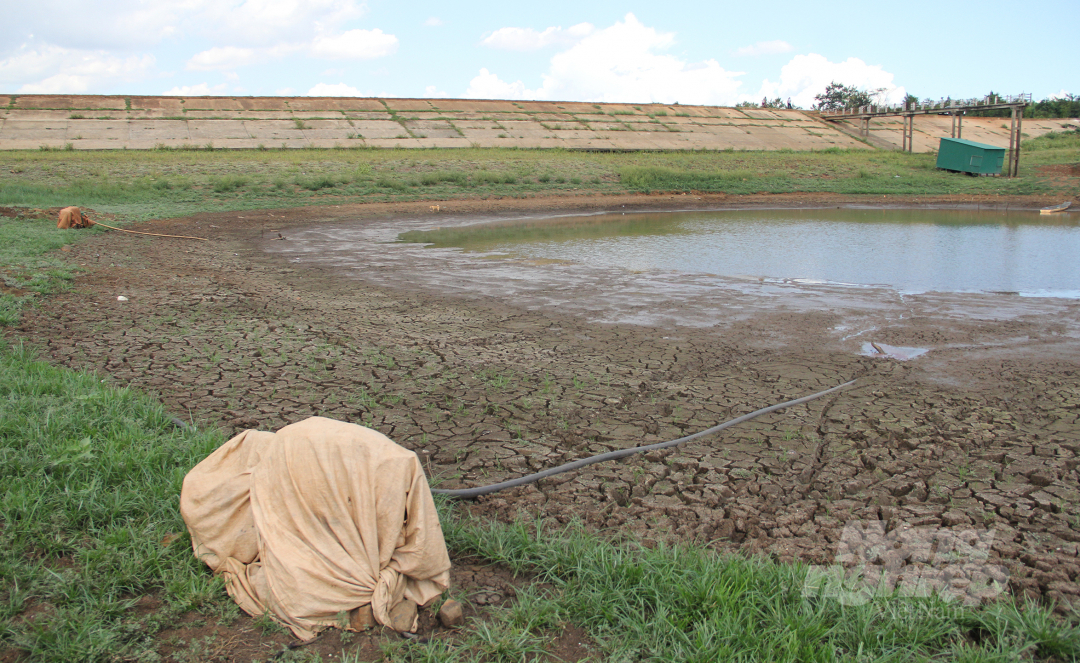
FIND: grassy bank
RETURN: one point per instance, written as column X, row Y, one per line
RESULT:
column 163, row 183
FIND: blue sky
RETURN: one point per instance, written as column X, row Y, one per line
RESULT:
column 716, row 53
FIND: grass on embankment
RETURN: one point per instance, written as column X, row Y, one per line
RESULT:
column 859, row 172
column 166, row 183
column 92, row 475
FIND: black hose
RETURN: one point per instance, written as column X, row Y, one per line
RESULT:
column 179, row 423
column 468, row 493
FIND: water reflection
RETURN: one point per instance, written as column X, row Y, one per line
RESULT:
column 910, row 250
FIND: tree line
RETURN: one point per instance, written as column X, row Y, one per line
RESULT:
column 838, row 96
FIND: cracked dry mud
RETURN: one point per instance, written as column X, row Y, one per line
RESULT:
column 979, row 434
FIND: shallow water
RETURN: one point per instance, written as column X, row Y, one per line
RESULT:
column 912, row 251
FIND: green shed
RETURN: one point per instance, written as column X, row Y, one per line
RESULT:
column 967, row 156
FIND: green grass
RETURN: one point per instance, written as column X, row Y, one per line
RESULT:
column 163, row 183
column 91, row 477
column 689, row 604
column 855, row 172
column 26, row 269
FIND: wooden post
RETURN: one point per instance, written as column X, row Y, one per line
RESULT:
column 1010, row 170
column 953, row 134
column 959, row 126
column 909, row 133
column 1014, row 154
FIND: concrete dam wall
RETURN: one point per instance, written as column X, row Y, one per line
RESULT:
column 86, row 122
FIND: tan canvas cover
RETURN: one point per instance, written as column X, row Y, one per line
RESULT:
column 316, row 520
column 72, row 217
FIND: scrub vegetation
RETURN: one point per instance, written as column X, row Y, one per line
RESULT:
column 166, row 183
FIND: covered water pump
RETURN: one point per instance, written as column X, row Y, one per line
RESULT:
column 318, row 519
column 72, row 217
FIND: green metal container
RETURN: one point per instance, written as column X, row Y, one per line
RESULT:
column 967, row 156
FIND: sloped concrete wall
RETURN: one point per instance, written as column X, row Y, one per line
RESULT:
column 113, row 122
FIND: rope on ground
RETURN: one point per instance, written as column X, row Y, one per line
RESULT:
column 137, row 232
column 469, row 493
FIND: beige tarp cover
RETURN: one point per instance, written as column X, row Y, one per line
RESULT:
column 315, row 520
column 72, row 217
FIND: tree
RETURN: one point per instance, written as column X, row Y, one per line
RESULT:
column 1065, row 105
column 838, row 96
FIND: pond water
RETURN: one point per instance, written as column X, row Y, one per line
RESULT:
column 912, row 251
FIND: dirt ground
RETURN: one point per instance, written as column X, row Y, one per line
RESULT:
column 248, row 330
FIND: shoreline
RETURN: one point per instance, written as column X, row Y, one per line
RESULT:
column 485, row 389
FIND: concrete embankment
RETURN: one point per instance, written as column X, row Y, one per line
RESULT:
column 118, row 122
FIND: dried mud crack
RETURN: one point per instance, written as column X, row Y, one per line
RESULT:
column 982, row 440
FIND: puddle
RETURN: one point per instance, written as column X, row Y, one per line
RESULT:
column 629, row 293
column 899, row 353
column 911, row 251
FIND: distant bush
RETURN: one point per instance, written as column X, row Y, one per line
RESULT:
column 431, row 179
column 316, row 182
column 388, row 183
column 228, row 183
column 488, row 177
column 1070, row 138
column 658, row 178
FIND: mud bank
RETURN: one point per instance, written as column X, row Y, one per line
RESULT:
column 979, row 434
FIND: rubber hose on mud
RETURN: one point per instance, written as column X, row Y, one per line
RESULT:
column 468, row 493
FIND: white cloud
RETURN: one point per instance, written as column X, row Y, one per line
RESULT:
column 351, row 45
column 807, row 75
column 621, row 63
column 123, row 24
column 765, row 48
column 1060, row 95
column 335, row 90
column 268, row 22
column 285, row 92
column 527, row 39
column 487, row 85
column 355, row 45
column 432, row 92
column 225, row 57
column 55, row 69
column 200, row 90
column 239, row 33
column 433, row 22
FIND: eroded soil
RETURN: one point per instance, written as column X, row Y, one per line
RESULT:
column 979, row 434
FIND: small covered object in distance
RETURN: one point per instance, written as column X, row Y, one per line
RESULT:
column 72, row 217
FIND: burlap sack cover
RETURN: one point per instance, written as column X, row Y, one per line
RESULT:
column 315, row 520
column 71, row 217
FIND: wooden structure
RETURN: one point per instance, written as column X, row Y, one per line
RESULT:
column 955, row 108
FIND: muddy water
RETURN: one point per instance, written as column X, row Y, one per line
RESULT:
column 912, row 251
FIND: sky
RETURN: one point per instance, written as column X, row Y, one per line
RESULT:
column 712, row 53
